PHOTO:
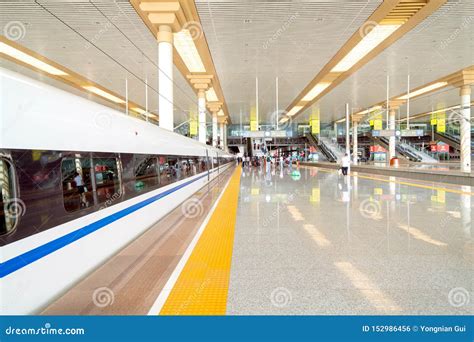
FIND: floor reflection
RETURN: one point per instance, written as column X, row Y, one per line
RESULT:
column 322, row 236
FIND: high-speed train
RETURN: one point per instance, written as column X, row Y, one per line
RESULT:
column 79, row 181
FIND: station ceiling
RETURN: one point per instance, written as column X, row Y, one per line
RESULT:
column 107, row 42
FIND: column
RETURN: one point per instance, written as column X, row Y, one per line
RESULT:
column 165, row 77
column 225, row 136
column 221, row 134
column 465, row 128
column 348, row 146
column 335, row 129
column 201, row 83
column 202, row 116
column 355, row 147
column 391, row 139
column 214, row 108
column 214, row 129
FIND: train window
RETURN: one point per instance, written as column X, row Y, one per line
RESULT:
column 175, row 169
column 107, row 179
column 10, row 206
column 165, row 172
column 202, row 164
column 77, row 183
column 194, row 162
column 146, row 172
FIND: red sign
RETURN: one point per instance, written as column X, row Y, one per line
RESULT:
column 443, row 148
column 440, row 147
column 377, row 148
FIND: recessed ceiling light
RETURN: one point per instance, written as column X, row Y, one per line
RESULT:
column 184, row 44
column 317, row 89
column 30, row 60
column 423, row 90
column 294, row 110
column 104, row 94
column 370, row 41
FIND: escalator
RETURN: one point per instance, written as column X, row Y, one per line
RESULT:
column 401, row 152
column 452, row 140
column 312, row 141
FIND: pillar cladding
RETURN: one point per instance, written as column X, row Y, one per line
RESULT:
column 214, row 129
column 202, row 116
column 391, row 139
column 465, row 128
column 225, row 136
column 165, row 77
column 348, row 144
column 201, row 83
column 355, row 147
column 214, row 108
column 221, row 134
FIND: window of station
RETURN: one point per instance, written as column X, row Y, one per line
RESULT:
column 10, row 206
column 107, row 178
column 146, row 172
column 77, row 183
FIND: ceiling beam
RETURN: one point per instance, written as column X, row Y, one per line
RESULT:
column 182, row 14
column 379, row 17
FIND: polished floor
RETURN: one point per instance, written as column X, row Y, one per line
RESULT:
column 309, row 241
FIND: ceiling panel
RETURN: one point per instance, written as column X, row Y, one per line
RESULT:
column 291, row 40
column 437, row 47
column 105, row 41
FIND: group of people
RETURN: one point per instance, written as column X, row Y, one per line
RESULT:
column 267, row 161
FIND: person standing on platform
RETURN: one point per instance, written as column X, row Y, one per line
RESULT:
column 345, row 164
column 269, row 163
column 281, row 162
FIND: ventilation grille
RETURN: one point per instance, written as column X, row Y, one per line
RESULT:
column 403, row 12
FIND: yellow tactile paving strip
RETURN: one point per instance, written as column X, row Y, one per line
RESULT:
column 202, row 286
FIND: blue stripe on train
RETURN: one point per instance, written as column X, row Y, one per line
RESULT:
column 29, row 257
